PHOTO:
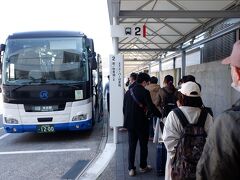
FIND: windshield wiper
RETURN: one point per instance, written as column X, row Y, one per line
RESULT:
column 70, row 85
column 22, row 85
column 64, row 83
column 46, row 83
column 19, row 86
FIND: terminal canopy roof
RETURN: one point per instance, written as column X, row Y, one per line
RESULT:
column 169, row 23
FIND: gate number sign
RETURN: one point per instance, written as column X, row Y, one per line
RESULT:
column 129, row 31
column 136, row 31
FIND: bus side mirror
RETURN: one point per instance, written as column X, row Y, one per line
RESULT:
column 94, row 62
column 2, row 47
column 91, row 53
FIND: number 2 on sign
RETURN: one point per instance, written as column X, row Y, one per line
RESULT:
column 137, row 31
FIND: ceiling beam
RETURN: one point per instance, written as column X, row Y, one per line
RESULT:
column 176, row 4
column 147, row 50
column 137, row 60
column 204, row 27
column 167, row 25
column 216, row 35
column 144, row 43
column 142, row 6
column 197, row 30
column 155, row 22
column 162, row 35
column 180, row 14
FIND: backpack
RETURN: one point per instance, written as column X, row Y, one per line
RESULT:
column 168, row 103
column 235, row 106
column 189, row 147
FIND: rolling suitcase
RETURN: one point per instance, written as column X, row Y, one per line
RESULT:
column 161, row 158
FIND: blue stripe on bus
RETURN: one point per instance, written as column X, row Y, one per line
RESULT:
column 71, row 126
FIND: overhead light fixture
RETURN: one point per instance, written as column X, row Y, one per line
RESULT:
column 181, row 45
column 165, row 54
column 192, row 40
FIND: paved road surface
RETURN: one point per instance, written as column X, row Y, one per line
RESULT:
column 46, row 156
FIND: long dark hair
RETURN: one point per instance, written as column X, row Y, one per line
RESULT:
column 189, row 101
column 168, row 80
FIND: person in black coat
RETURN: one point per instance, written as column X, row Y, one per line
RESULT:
column 137, row 102
column 132, row 80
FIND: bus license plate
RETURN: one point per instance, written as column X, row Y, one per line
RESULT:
column 46, row 128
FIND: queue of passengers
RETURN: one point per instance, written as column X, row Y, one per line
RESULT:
column 189, row 144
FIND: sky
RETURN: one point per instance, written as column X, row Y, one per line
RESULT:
column 88, row 16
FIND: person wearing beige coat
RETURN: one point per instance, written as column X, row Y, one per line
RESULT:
column 153, row 88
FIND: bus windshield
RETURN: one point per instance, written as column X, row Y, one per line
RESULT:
column 45, row 61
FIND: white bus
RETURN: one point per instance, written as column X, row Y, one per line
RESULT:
column 47, row 82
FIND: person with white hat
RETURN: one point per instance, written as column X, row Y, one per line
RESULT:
column 221, row 155
column 190, row 104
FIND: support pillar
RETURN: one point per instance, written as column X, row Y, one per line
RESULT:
column 149, row 69
column 115, row 52
column 174, row 63
column 159, row 70
column 183, row 63
column 237, row 34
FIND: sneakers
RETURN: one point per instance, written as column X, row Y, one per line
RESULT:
column 122, row 129
column 150, row 138
column 132, row 172
column 146, row 169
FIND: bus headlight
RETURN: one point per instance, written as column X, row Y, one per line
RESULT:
column 10, row 120
column 79, row 117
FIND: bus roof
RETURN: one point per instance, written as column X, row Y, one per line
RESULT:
column 43, row 34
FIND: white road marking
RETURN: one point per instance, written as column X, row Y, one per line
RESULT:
column 100, row 163
column 44, row 151
column 1, row 128
column 5, row 135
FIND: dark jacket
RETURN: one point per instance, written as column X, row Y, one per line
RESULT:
column 163, row 96
column 220, row 159
column 132, row 85
column 135, row 116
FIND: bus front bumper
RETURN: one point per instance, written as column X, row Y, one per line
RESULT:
column 72, row 126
